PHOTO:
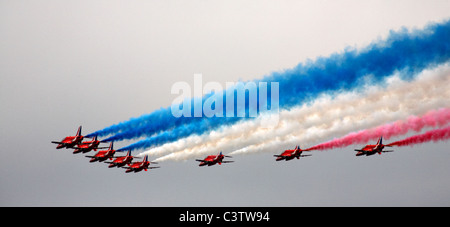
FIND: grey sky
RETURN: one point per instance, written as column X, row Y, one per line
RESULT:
column 96, row 63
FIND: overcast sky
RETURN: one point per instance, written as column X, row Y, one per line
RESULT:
column 96, row 63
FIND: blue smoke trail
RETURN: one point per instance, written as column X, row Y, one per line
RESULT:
column 406, row 51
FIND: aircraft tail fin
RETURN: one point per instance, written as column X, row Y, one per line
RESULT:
column 79, row 131
column 380, row 141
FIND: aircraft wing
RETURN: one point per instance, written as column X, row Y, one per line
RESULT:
column 200, row 160
column 281, row 155
column 80, row 148
column 305, row 155
column 227, row 161
column 388, row 151
column 359, row 150
column 100, row 148
column 89, row 156
column 155, row 167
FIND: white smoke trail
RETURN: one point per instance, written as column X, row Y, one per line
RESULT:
column 326, row 116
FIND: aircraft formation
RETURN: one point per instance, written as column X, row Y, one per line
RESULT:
column 126, row 162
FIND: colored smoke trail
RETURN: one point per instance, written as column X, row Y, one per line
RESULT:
column 431, row 119
column 326, row 116
column 401, row 51
column 432, row 135
column 265, row 146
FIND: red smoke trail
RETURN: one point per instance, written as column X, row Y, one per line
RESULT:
column 431, row 119
column 434, row 135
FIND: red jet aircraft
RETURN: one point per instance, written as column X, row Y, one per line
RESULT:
column 103, row 155
column 291, row 154
column 70, row 141
column 87, row 146
column 121, row 160
column 213, row 159
column 373, row 149
column 139, row 166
